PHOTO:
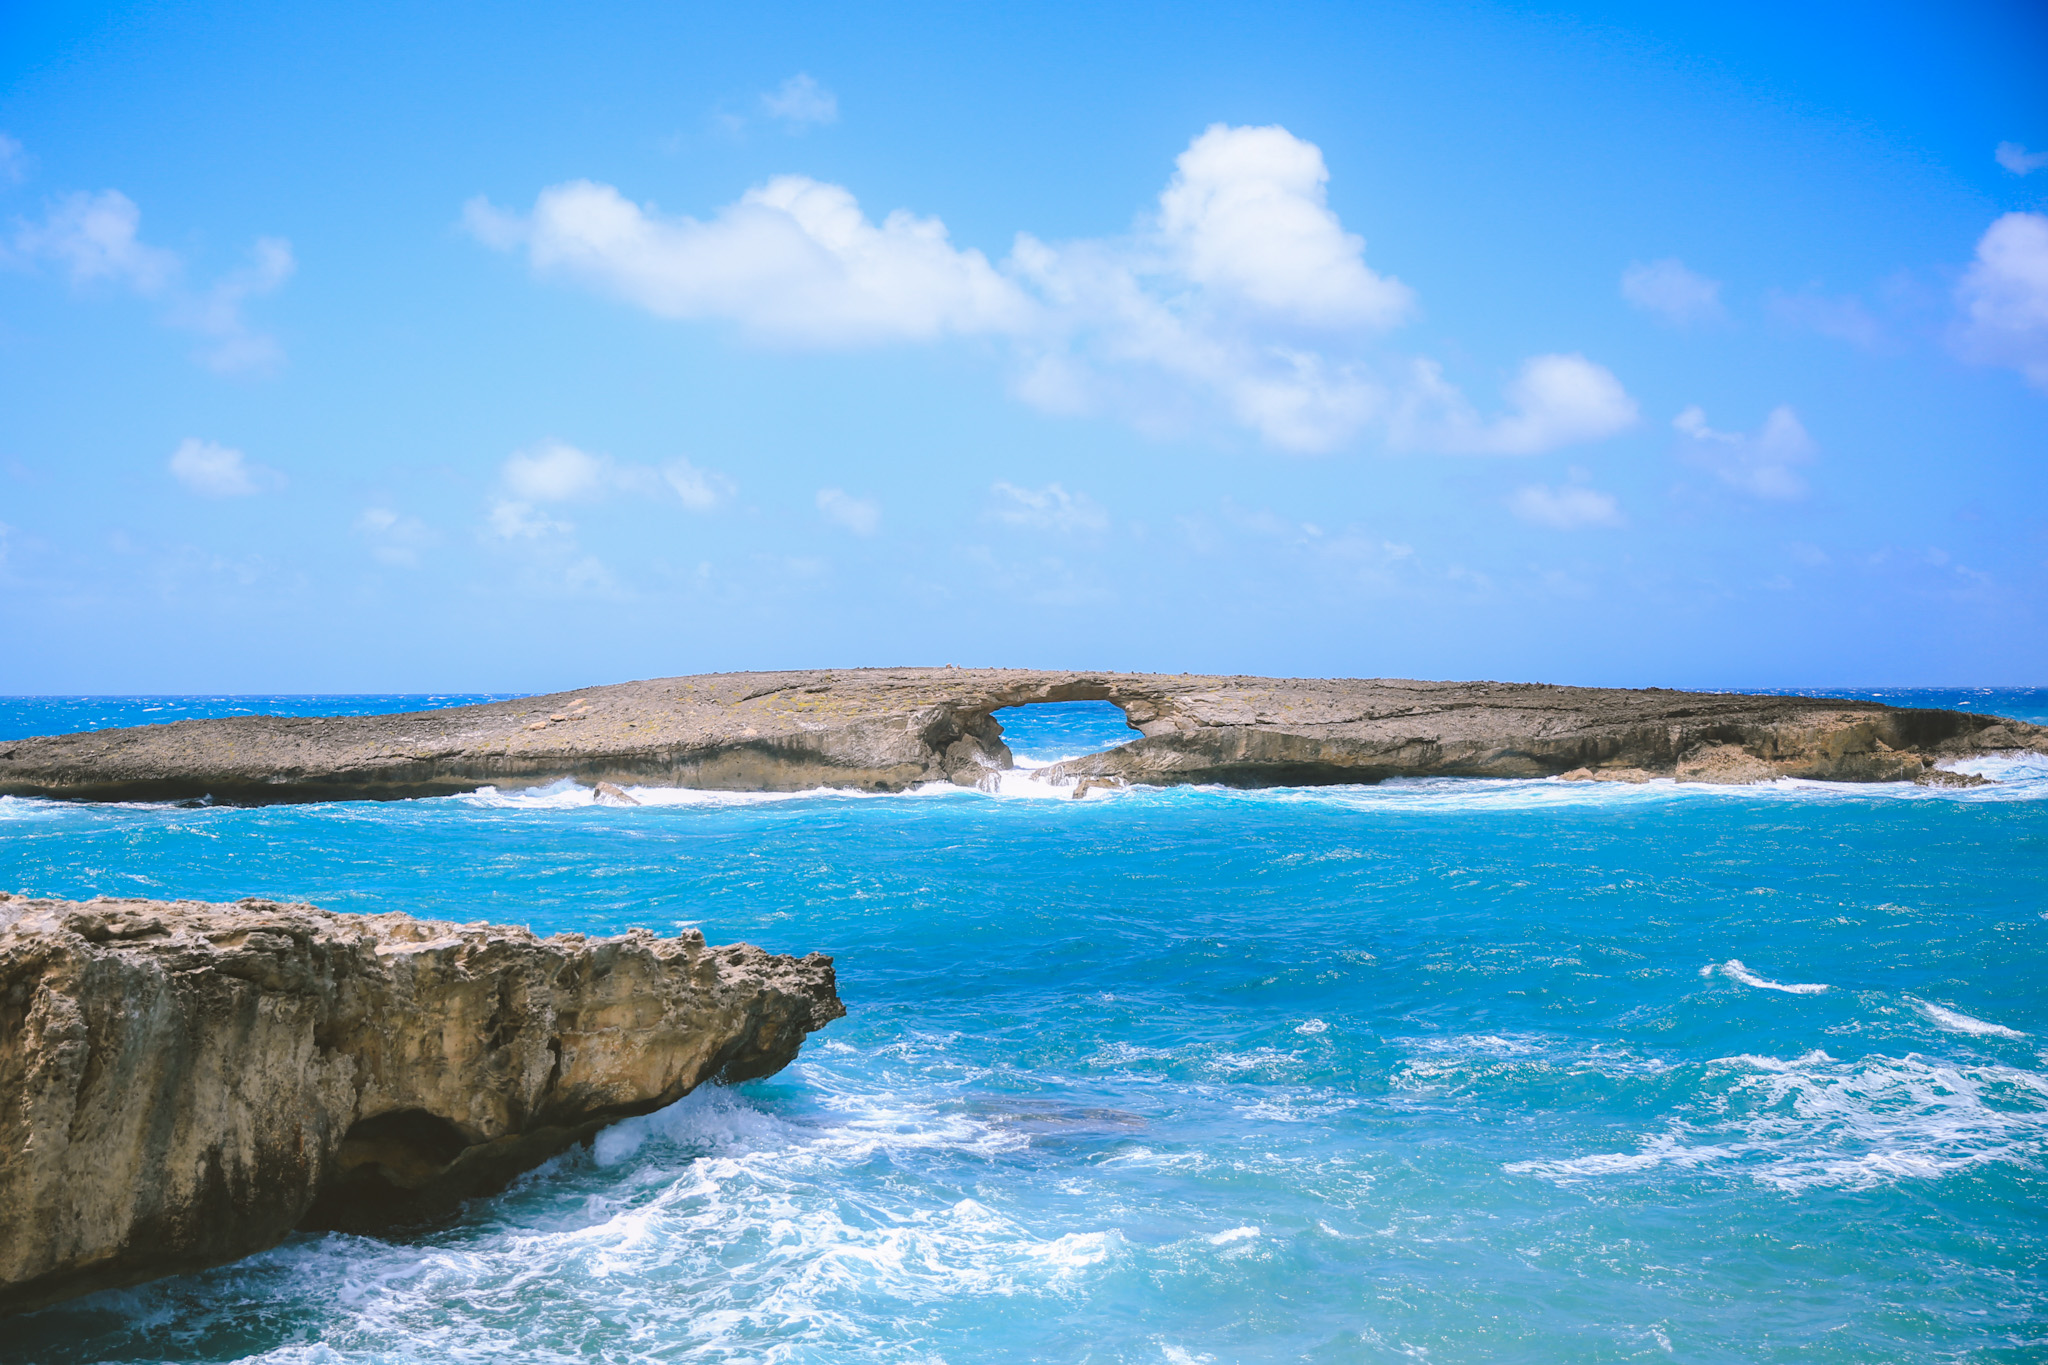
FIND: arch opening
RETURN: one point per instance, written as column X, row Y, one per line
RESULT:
column 1038, row 732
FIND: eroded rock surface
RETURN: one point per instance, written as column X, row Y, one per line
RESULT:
column 888, row 729
column 182, row 1084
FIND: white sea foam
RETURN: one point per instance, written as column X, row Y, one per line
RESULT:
column 1815, row 1122
column 711, row 1230
column 28, row 808
column 1229, row 1235
column 2021, row 778
column 1735, row 971
column 1957, row 1022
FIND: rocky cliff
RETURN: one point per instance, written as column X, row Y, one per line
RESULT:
column 182, row 1084
column 888, row 729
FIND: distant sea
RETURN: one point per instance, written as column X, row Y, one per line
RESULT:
column 1438, row 1070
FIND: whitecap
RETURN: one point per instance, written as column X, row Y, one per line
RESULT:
column 1957, row 1022
column 1229, row 1235
column 1735, row 971
column 1814, row 1122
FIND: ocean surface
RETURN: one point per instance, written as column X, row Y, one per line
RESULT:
column 1439, row 1071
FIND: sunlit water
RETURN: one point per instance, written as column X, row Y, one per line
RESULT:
column 1436, row 1070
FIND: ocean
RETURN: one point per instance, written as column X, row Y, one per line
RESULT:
column 1437, row 1070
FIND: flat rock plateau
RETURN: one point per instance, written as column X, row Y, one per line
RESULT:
column 183, row 1084
column 887, row 729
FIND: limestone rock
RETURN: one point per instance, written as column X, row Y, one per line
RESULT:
column 1632, row 775
column 1724, row 765
column 182, row 1084
column 887, row 729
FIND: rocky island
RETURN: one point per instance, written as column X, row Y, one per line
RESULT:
column 887, row 729
column 182, row 1084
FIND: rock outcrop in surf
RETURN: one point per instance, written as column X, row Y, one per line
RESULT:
column 889, row 729
column 183, row 1084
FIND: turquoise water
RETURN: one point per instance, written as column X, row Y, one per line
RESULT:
column 1436, row 1070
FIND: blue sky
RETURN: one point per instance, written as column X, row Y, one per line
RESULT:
column 366, row 348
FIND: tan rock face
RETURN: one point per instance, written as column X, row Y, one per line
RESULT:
column 182, row 1084
column 1723, row 764
column 885, row 729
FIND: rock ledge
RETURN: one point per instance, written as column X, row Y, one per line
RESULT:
column 182, row 1084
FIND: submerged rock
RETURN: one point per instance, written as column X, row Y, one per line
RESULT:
column 1943, row 777
column 182, row 1084
column 887, row 729
column 1635, row 776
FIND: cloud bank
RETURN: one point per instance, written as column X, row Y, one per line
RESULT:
column 1239, row 295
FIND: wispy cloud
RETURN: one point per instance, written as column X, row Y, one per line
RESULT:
column 862, row 516
column 1051, row 508
column 217, row 471
column 700, row 490
column 555, row 471
column 1760, row 465
column 96, row 239
column 394, row 538
column 801, row 103
column 1843, row 318
column 13, row 161
column 1556, row 400
column 1240, row 296
column 1569, row 508
column 1672, row 292
column 2018, row 159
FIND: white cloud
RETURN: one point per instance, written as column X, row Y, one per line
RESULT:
column 1671, row 291
column 2018, row 159
column 556, row 472
column 218, row 471
column 801, row 102
column 794, row 261
column 1570, row 508
column 1247, row 217
column 13, row 161
column 394, row 538
column 1760, row 465
column 1555, row 401
column 862, row 516
column 1051, row 508
column 2004, row 298
column 1240, row 298
column 96, row 238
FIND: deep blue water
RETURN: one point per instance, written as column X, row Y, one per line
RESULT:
column 1443, row 1071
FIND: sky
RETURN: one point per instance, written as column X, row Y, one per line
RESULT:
column 510, row 348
